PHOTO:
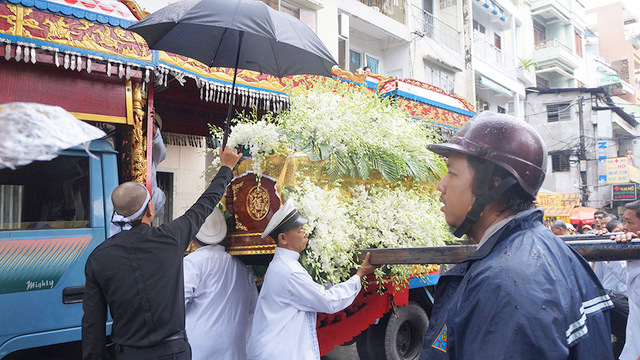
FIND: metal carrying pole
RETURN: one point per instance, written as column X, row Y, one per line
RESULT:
column 601, row 248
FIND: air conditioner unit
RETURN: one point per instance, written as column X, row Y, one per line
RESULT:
column 343, row 25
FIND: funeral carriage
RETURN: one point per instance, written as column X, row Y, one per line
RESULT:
column 78, row 55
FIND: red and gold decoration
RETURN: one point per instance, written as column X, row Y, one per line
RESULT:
column 251, row 203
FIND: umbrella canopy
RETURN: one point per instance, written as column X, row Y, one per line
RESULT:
column 33, row 132
column 274, row 43
column 239, row 34
column 581, row 215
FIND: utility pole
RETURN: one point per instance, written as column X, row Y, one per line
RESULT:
column 582, row 157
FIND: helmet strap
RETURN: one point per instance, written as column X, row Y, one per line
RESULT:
column 483, row 199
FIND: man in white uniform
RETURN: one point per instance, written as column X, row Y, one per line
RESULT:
column 220, row 296
column 284, row 325
column 631, row 220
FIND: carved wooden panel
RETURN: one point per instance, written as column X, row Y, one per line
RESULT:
column 252, row 204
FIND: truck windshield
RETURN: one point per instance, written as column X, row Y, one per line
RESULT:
column 45, row 195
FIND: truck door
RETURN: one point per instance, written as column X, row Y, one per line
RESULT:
column 52, row 215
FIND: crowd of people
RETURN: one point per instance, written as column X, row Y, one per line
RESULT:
column 524, row 294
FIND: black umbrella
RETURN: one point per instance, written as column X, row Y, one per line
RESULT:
column 245, row 34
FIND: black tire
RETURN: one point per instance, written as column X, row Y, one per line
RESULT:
column 404, row 332
column 362, row 346
column 375, row 339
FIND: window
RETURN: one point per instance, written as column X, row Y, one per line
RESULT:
column 542, row 82
column 165, row 183
column 482, row 104
column 539, row 32
column 355, row 59
column 373, row 63
column 440, row 78
column 578, row 38
column 46, row 195
column 501, row 110
column 479, row 27
column 560, row 161
column 558, row 112
column 497, row 41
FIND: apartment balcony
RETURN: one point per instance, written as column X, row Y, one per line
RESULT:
column 437, row 30
column 394, row 9
column 494, row 57
column 551, row 10
column 527, row 77
column 551, row 53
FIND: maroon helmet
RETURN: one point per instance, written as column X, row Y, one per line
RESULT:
column 505, row 141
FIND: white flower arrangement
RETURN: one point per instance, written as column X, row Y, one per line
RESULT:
column 344, row 220
column 356, row 134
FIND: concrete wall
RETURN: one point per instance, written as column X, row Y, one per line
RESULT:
column 188, row 165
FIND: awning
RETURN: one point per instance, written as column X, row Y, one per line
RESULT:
column 495, row 86
column 494, row 9
column 557, row 205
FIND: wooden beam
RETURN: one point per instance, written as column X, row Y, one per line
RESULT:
column 595, row 250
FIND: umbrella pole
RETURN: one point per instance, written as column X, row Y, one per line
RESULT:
column 233, row 94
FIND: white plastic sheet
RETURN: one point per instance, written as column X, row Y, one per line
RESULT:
column 30, row 132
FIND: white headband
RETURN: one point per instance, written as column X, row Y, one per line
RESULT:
column 124, row 223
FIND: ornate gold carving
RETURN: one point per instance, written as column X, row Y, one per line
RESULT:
column 135, row 143
column 239, row 225
column 33, row 24
column 348, row 75
column 258, row 203
column 245, row 77
column 11, row 19
column 136, row 8
column 235, row 187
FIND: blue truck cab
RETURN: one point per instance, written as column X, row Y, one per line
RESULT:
column 52, row 215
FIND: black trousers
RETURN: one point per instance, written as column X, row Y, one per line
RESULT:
column 178, row 349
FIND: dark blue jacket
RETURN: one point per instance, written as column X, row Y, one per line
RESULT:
column 524, row 294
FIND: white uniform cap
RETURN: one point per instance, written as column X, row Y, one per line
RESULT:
column 286, row 218
column 214, row 228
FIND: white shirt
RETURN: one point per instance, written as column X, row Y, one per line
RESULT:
column 612, row 275
column 220, row 295
column 284, row 325
column 494, row 228
column 631, row 349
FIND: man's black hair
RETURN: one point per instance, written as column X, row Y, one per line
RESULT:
column 613, row 224
column 598, row 212
column 634, row 205
column 514, row 200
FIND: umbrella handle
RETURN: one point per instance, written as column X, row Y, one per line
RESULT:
column 227, row 124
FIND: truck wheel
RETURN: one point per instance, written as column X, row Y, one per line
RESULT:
column 362, row 346
column 404, row 332
column 376, row 339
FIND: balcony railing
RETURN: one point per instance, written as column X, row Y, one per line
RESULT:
column 438, row 30
column 551, row 43
column 392, row 8
column 493, row 56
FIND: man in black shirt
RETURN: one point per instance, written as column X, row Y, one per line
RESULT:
column 138, row 274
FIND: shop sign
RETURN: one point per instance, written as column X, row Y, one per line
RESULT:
column 623, row 192
column 617, row 170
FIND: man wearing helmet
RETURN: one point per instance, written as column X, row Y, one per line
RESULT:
column 523, row 294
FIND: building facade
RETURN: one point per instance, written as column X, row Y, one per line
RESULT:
column 586, row 136
column 613, row 24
